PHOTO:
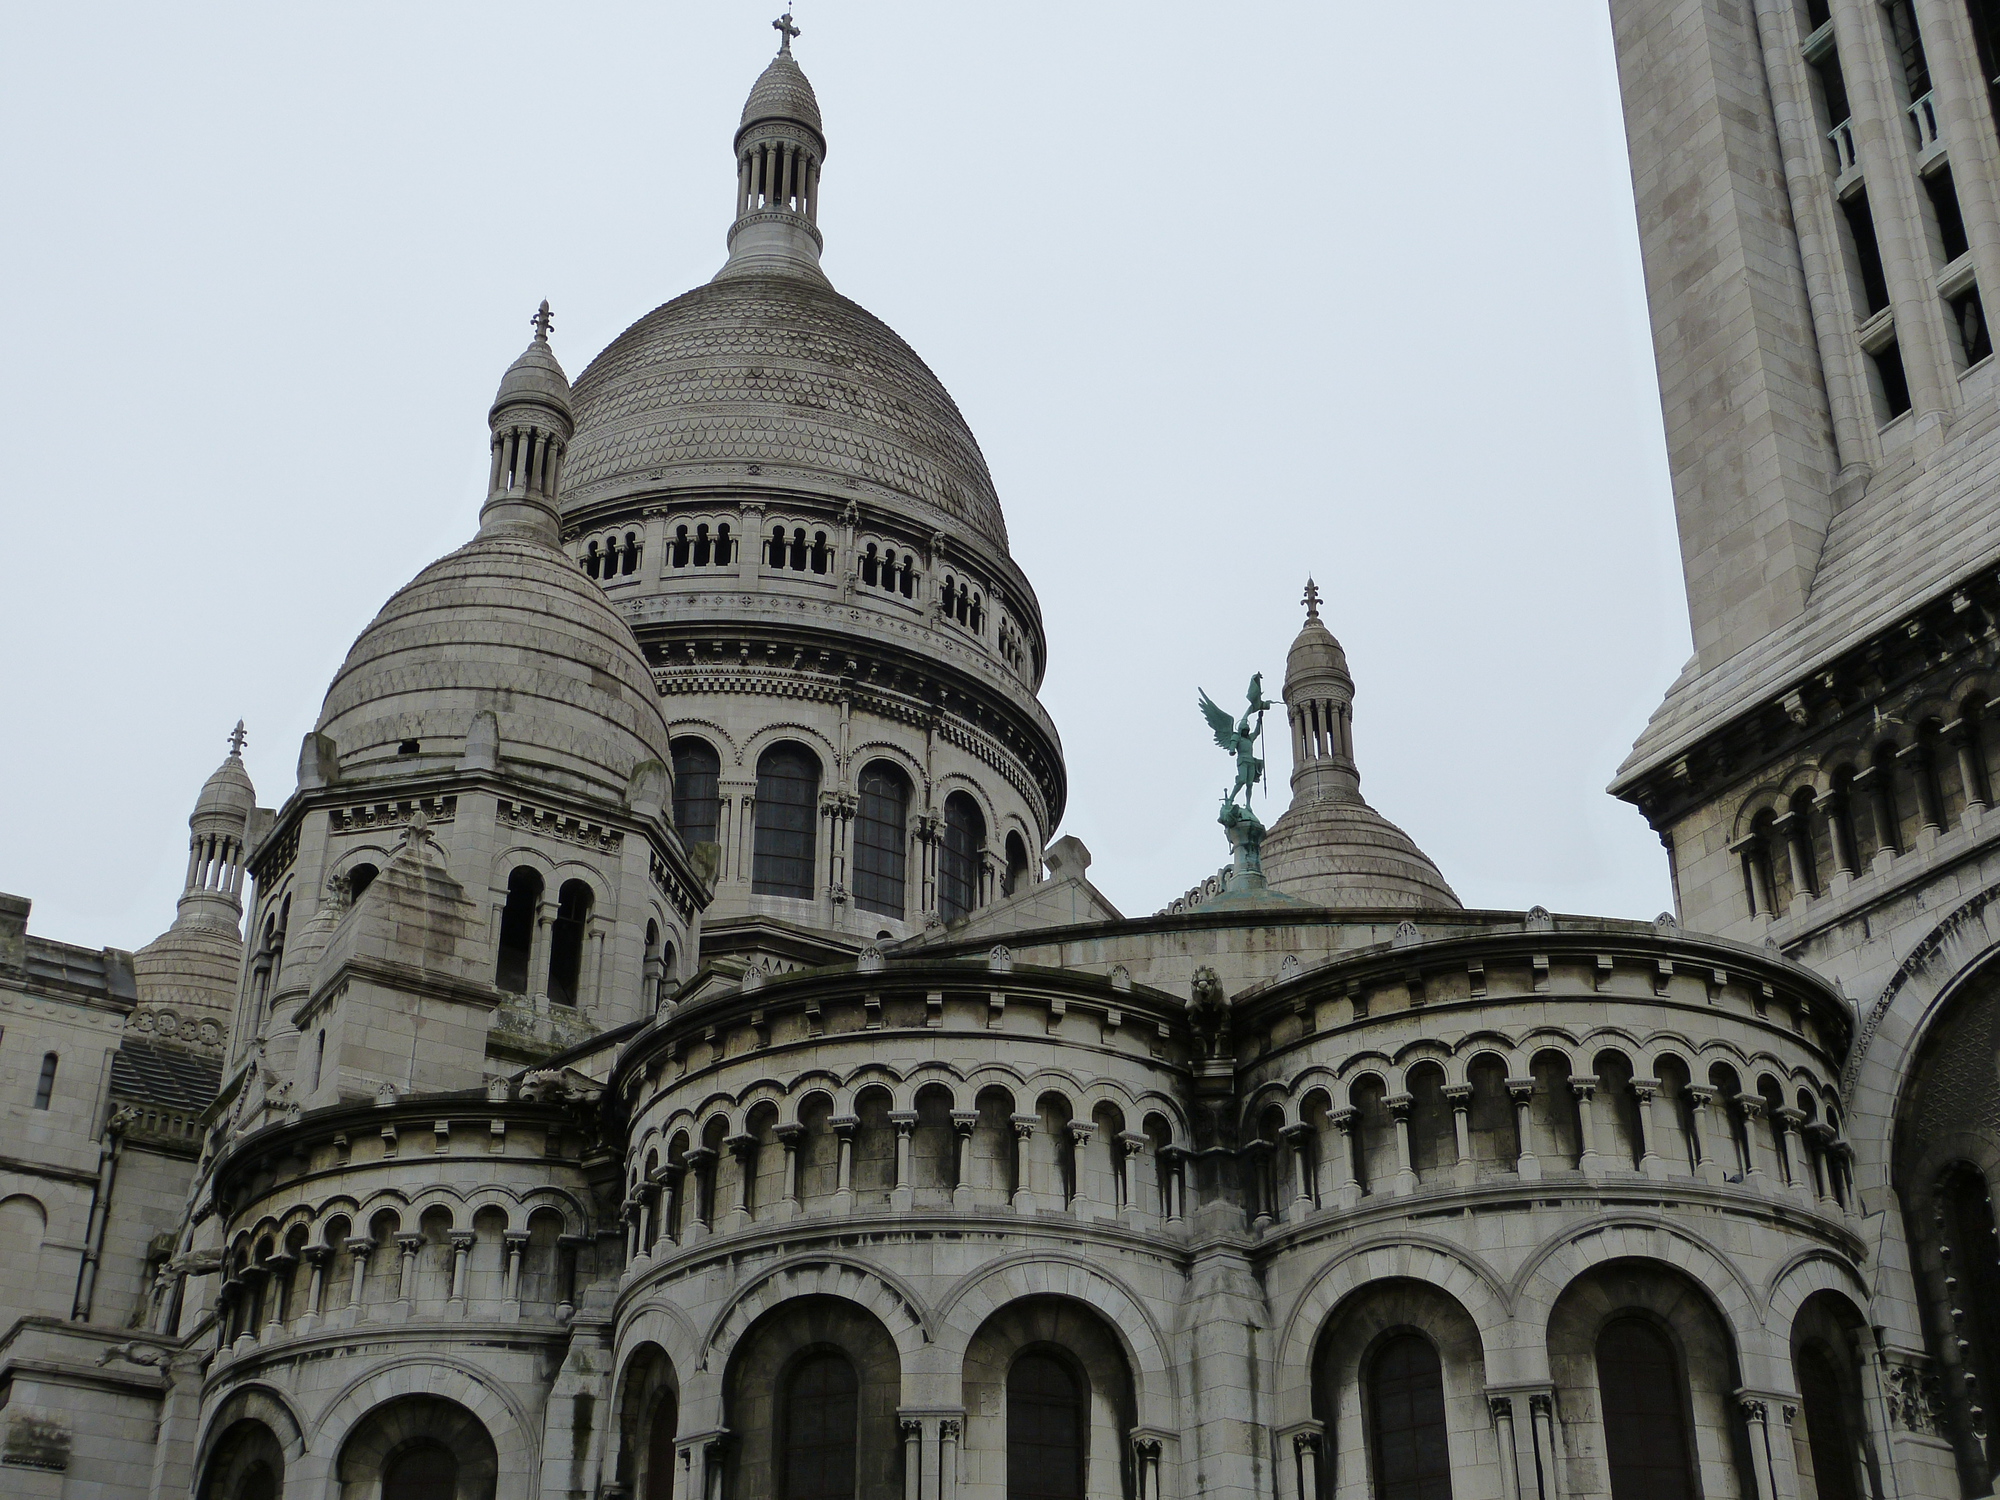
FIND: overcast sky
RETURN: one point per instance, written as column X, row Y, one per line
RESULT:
column 1229, row 294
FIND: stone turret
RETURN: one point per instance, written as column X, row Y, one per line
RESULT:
column 1330, row 847
column 779, row 148
column 187, row 976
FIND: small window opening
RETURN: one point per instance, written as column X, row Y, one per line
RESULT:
column 798, row 558
column 407, row 747
column 631, row 564
column 1836, row 111
column 1909, row 47
column 566, row 942
column 1970, row 319
column 1985, row 18
column 517, row 930
column 822, row 555
column 870, row 566
column 702, row 546
column 1865, row 254
column 775, row 552
column 591, row 560
column 1943, row 195
column 1892, row 387
column 722, row 545
column 319, row 1061
column 359, row 879
column 679, row 556
column 950, row 595
column 45, row 1086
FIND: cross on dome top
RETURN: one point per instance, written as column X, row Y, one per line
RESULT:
column 785, row 29
column 237, row 738
column 542, row 322
column 1311, row 600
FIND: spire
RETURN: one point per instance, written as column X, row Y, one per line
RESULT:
column 780, row 145
column 1319, row 701
column 531, row 425
column 218, row 837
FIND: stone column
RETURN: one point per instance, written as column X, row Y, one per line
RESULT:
column 1701, row 1122
column 844, row 1127
column 1965, row 746
column 634, row 1216
column 1521, row 1093
column 1650, row 1161
column 1299, row 1138
column 516, row 1241
column 1131, row 1143
column 1081, row 1202
column 1347, row 1192
column 904, row 1193
column 701, row 1162
column 1459, row 1096
column 1755, row 1420
column 1173, row 1191
column 791, row 1137
column 406, row 1291
column 1501, row 1409
column 461, row 1249
column 1752, row 1106
column 316, row 1258
column 670, row 1197
column 744, row 1149
column 357, row 1247
column 963, row 1122
column 913, row 1458
column 1399, row 1112
column 1839, row 832
column 948, row 1435
column 1790, row 1121
column 1542, row 1412
column 1024, row 1196
column 1585, row 1087
column 278, row 1272
column 1798, row 853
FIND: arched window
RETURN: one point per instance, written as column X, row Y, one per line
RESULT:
column 697, row 800
column 1045, row 1429
column 631, row 563
column 1406, row 1421
column 958, row 868
column 870, row 566
column 566, row 942
column 702, row 546
column 1017, row 865
column 787, row 804
column 359, row 879
column 881, row 840
column 424, row 1470
column 590, row 560
column 775, row 553
column 679, row 553
column 45, row 1086
column 822, row 555
column 1827, row 1427
column 1643, row 1397
column 517, row 930
column 798, row 549
column 723, row 546
column 820, row 1410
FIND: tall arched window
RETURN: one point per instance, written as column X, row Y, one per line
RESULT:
column 359, row 879
column 958, row 866
column 1017, row 865
column 45, row 1086
column 697, row 797
column 787, row 804
column 566, row 942
column 1643, row 1396
column 1045, row 1429
column 422, row 1471
column 881, row 840
column 1828, row 1432
column 1406, row 1421
column 517, row 930
column 820, row 1409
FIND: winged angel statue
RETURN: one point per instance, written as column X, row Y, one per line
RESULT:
column 1239, row 737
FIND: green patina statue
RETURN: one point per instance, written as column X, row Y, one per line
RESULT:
column 1240, row 738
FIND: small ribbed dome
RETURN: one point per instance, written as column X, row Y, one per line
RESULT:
column 782, row 92
column 1346, row 854
column 786, row 374
column 1314, row 651
column 506, row 625
column 535, row 377
column 228, row 793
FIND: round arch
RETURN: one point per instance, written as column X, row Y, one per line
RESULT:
column 514, row 1438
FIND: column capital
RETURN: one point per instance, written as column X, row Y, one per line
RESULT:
column 1520, row 1090
column 1700, row 1095
column 964, row 1121
column 410, row 1243
column 1081, row 1130
column 1399, row 1105
column 845, row 1125
column 789, row 1136
column 905, row 1120
column 1344, row 1120
column 1024, row 1125
column 1460, row 1095
column 461, row 1239
column 1583, row 1085
column 359, row 1246
column 516, row 1239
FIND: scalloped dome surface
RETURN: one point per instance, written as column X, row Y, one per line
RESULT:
column 782, row 92
column 787, row 374
column 512, row 627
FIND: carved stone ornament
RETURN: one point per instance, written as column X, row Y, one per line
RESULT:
column 871, row 960
column 1001, row 959
column 1914, row 1399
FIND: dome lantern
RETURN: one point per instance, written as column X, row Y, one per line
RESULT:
column 780, row 145
column 531, row 425
column 212, row 894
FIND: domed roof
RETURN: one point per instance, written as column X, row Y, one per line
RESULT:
column 783, row 373
column 782, row 92
column 1315, row 651
column 536, row 376
column 228, row 793
column 1346, row 854
column 506, row 625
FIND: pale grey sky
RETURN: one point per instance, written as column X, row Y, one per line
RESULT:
column 1229, row 294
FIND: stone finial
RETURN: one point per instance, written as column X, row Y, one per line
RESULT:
column 786, row 31
column 237, row 739
column 1311, row 600
column 542, row 322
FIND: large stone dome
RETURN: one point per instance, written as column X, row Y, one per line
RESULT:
column 783, row 377
column 506, row 625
